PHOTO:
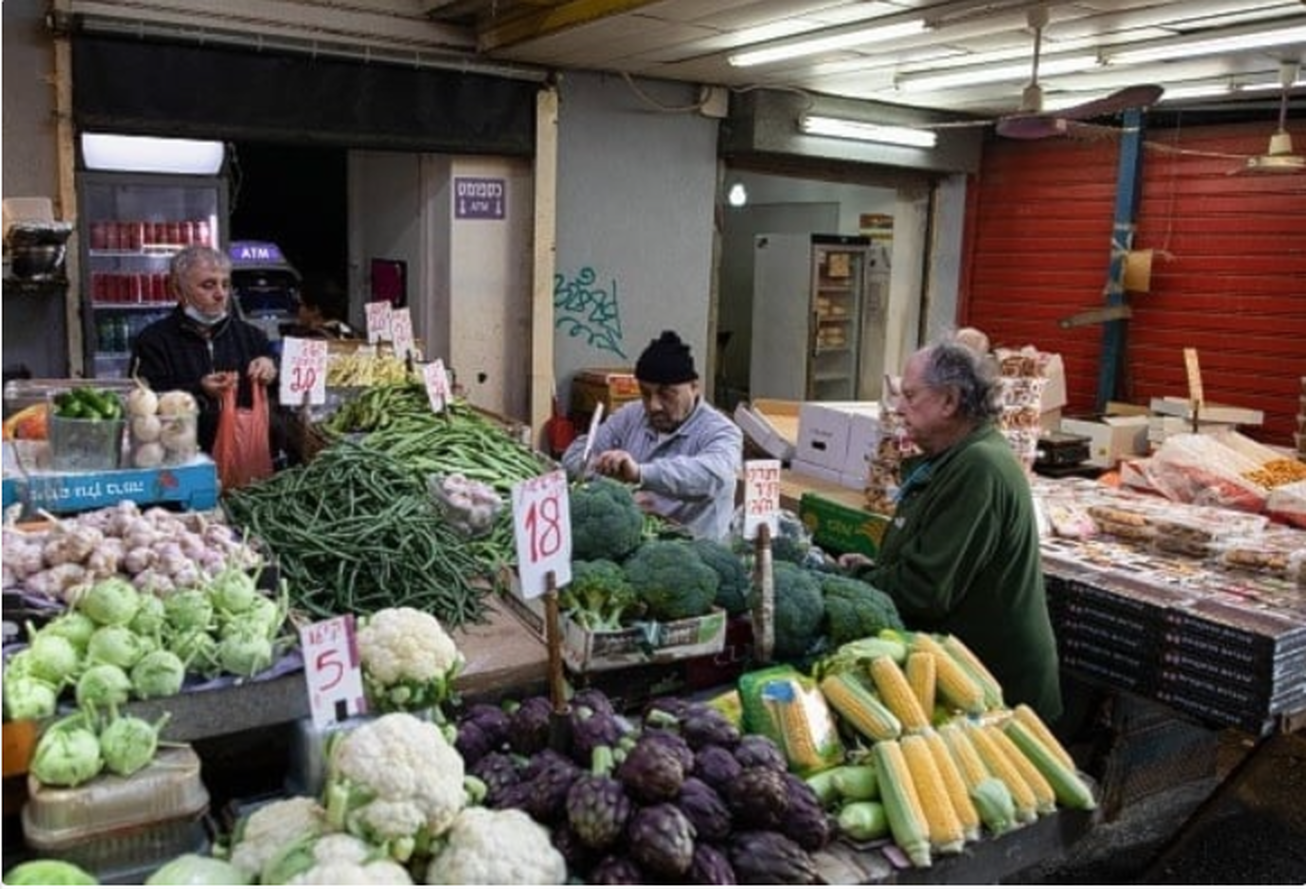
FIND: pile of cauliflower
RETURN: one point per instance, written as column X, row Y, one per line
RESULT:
column 398, row 806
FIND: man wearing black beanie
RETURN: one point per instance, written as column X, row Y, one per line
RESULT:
column 682, row 453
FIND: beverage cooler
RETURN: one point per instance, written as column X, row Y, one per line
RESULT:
column 131, row 223
column 818, row 317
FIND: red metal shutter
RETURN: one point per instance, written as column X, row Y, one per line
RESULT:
column 1228, row 276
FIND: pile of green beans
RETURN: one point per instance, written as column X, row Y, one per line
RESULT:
column 354, row 531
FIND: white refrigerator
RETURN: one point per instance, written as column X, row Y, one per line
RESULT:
column 818, row 317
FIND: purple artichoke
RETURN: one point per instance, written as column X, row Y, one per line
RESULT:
column 578, row 856
column 549, row 786
column 758, row 798
column 591, row 729
column 759, row 750
column 703, row 724
column 664, row 706
column 674, row 743
column 805, row 820
column 711, row 867
column 716, row 766
column 764, row 857
column 652, row 771
column 661, row 839
column 597, row 805
column 617, row 870
column 498, row 771
column 705, row 810
column 483, row 729
column 528, row 726
column 594, row 699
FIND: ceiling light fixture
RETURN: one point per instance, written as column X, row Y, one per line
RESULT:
column 931, row 82
column 151, row 154
column 861, row 131
column 1241, row 42
column 814, row 45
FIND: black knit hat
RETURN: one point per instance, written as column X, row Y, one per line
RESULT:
column 666, row 361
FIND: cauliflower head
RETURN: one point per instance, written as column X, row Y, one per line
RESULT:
column 333, row 859
column 396, row 782
column 268, row 829
column 504, row 847
column 409, row 662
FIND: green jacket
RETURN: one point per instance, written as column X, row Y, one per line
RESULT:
column 961, row 556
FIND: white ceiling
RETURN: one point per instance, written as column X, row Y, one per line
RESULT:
column 692, row 40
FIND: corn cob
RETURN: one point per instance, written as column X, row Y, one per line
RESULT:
column 1045, row 798
column 1025, row 715
column 997, row 763
column 962, row 654
column 920, row 676
column 795, row 728
column 901, row 804
column 965, row 755
column 860, row 708
column 1070, row 789
column 958, row 793
column 940, row 817
column 993, row 802
column 952, row 682
column 897, row 694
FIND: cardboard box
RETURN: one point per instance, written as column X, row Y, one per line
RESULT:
column 863, row 442
column 1160, row 427
column 1211, row 412
column 825, row 431
column 1110, row 437
column 770, row 424
column 586, row 651
column 1054, row 393
column 813, row 470
column 612, row 387
column 842, row 529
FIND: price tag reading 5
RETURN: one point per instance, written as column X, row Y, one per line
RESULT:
column 541, row 517
column 335, row 682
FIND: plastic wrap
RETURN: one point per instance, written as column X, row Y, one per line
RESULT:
column 1287, row 503
column 469, row 506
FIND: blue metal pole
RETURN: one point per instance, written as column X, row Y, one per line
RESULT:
column 1128, row 186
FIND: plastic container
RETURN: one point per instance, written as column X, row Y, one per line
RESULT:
column 162, row 440
column 85, row 445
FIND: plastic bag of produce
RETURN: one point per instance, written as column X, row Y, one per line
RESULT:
column 469, row 506
column 1287, row 503
column 242, row 450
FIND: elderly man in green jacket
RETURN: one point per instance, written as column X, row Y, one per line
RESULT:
column 961, row 554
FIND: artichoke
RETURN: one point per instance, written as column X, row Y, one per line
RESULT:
column 616, row 870
column 483, row 729
column 705, row 810
column 579, row 857
column 549, row 784
column 704, row 724
column 805, row 820
column 673, row 743
column 498, row 771
column 652, row 771
column 661, row 839
column 759, row 750
column 591, row 729
column 597, row 805
column 758, row 798
column 761, row 857
column 711, row 867
column 595, row 699
column 528, row 726
column 716, row 766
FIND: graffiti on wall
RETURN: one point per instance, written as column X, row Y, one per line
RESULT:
column 582, row 309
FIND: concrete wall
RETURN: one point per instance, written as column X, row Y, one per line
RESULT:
column 636, row 195
column 30, row 161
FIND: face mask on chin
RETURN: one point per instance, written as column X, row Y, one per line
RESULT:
column 199, row 317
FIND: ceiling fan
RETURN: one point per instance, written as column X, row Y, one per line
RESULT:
column 1030, row 121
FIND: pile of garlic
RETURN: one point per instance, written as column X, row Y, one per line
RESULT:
column 162, row 429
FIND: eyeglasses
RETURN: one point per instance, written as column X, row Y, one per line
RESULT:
column 911, row 396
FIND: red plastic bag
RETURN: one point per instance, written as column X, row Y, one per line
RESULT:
column 241, row 449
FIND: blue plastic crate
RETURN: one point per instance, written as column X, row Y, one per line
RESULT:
column 192, row 486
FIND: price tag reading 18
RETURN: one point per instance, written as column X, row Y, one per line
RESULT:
column 303, row 371
column 761, row 496
column 541, row 518
column 335, row 682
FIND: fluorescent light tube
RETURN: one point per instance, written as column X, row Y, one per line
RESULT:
column 860, row 37
column 149, row 154
column 1209, row 46
column 839, row 128
column 1046, row 68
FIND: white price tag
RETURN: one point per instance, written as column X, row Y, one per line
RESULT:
column 331, row 668
column 761, row 496
column 378, row 320
column 401, row 331
column 438, row 389
column 541, row 521
column 303, row 370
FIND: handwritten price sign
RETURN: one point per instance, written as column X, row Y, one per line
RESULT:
column 541, row 520
column 335, row 682
column 303, row 370
column 379, row 314
column 438, row 389
column 401, row 331
column 761, row 496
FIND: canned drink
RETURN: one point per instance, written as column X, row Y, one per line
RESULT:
column 136, row 288
column 99, row 236
column 202, row 235
column 121, row 288
column 135, row 236
column 158, row 288
column 111, row 241
column 174, row 233
column 186, row 231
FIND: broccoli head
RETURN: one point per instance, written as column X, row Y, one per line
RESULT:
column 854, row 609
column 605, row 521
column 599, row 597
column 671, row 579
column 799, row 609
column 733, row 577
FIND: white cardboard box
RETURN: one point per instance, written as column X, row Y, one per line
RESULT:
column 825, row 428
column 1110, row 437
column 815, row 470
column 770, row 424
column 863, row 442
column 1210, row 412
column 1054, row 393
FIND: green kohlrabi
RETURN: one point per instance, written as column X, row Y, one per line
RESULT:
column 244, row 654
column 116, row 645
column 52, row 657
column 27, row 697
column 233, row 591
column 103, row 685
column 128, row 743
column 159, row 674
column 150, row 617
column 110, row 602
column 67, row 753
column 48, row 872
column 198, row 870
column 188, row 610
column 73, row 626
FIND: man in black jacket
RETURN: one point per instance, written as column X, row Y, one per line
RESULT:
column 201, row 346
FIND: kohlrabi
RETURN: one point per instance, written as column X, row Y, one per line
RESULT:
column 112, row 601
column 116, row 645
column 67, row 753
column 103, row 685
column 159, row 674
